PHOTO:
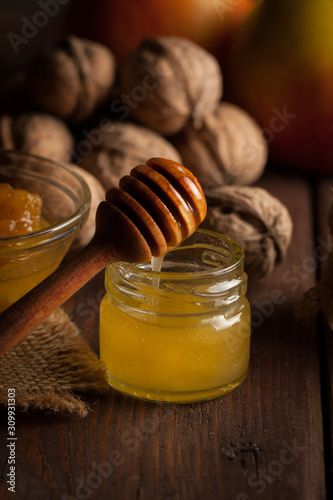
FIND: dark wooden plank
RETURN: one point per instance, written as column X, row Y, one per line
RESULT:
column 83, row 309
column 324, row 200
column 264, row 439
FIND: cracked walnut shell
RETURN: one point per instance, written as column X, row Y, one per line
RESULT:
column 258, row 221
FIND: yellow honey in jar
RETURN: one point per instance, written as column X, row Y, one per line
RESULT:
column 181, row 334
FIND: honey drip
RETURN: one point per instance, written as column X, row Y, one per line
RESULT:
column 156, row 266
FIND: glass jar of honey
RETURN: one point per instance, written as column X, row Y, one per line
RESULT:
column 181, row 334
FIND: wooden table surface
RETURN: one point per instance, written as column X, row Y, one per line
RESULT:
column 271, row 438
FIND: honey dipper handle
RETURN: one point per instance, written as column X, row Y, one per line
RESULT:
column 116, row 238
column 125, row 230
column 23, row 316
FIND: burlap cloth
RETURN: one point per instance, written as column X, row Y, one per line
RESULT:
column 52, row 368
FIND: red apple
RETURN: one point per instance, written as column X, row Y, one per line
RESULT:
column 122, row 24
column 281, row 72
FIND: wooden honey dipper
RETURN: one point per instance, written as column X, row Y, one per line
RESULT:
column 154, row 209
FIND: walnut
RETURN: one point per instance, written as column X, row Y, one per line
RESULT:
column 97, row 193
column 229, row 148
column 37, row 133
column 71, row 79
column 123, row 146
column 169, row 80
column 255, row 219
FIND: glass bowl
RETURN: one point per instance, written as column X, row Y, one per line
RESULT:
column 27, row 259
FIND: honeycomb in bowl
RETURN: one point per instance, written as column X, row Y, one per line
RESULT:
column 20, row 211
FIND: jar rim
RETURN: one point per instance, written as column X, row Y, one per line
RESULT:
column 55, row 230
column 235, row 261
column 193, row 276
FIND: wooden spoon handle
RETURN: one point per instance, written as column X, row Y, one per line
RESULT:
column 116, row 238
column 19, row 319
column 155, row 208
